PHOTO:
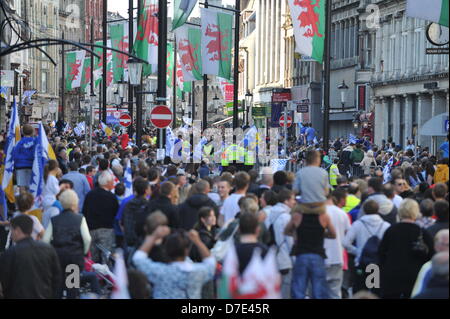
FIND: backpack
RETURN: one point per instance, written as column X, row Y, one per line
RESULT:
column 369, row 254
column 272, row 241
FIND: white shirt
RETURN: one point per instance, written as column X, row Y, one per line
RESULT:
column 333, row 247
column 230, row 207
column 397, row 201
column 50, row 190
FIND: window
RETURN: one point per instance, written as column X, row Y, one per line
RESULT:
column 44, row 83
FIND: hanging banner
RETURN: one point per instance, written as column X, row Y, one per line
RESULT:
column 74, row 69
column 308, row 19
column 119, row 41
column 146, row 42
column 216, row 42
column 182, row 10
column 189, row 48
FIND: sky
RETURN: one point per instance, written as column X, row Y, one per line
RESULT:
column 122, row 7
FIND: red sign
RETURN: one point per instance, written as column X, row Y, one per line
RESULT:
column 278, row 97
column 125, row 120
column 161, row 116
column 289, row 121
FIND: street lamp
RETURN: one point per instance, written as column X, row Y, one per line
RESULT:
column 248, row 103
column 216, row 102
column 344, row 89
column 134, row 71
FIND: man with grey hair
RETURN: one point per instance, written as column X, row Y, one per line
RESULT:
column 266, row 182
column 100, row 208
column 441, row 241
column 437, row 287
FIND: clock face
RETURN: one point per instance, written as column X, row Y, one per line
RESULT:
column 438, row 34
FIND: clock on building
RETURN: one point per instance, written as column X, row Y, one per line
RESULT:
column 437, row 34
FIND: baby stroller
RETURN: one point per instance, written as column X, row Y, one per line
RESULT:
column 98, row 279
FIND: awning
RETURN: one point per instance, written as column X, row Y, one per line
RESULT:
column 437, row 126
column 224, row 121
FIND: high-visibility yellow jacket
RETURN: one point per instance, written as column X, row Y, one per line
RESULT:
column 351, row 202
column 333, row 175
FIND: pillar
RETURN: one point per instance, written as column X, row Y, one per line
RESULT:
column 424, row 114
column 396, row 119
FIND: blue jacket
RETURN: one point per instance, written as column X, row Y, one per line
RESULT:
column 23, row 153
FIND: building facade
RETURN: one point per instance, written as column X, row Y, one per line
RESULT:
column 409, row 86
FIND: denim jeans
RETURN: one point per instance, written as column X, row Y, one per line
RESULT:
column 309, row 268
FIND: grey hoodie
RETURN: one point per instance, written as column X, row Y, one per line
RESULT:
column 386, row 207
column 361, row 230
column 280, row 216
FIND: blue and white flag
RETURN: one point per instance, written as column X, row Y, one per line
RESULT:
column 387, row 171
column 352, row 139
column 12, row 139
column 3, row 205
column 39, row 162
column 198, row 150
column 128, row 180
column 27, row 96
column 170, row 141
column 278, row 164
column 3, row 91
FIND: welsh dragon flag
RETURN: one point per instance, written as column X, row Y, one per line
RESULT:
column 86, row 77
column 432, row 10
column 182, row 10
column 98, row 65
column 146, row 42
column 216, row 42
column 308, row 18
column 74, row 69
column 189, row 49
column 119, row 41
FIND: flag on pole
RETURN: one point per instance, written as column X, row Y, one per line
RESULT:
column 146, row 43
column 3, row 91
column 119, row 41
column 170, row 141
column 128, row 180
column 229, row 279
column 106, row 129
column 431, row 10
column 86, row 77
column 387, row 171
column 27, row 96
column 74, row 69
column 169, row 66
column 182, row 10
column 42, row 153
column 12, row 139
column 308, row 19
column 120, row 290
column 189, row 41
column 98, row 65
column 216, row 42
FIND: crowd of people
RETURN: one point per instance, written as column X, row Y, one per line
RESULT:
column 347, row 215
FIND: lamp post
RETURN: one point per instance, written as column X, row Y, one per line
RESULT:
column 248, row 104
column 343, row 88
column 93, row 102
column 135, row 76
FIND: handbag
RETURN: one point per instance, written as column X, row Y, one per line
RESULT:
column 419, row 248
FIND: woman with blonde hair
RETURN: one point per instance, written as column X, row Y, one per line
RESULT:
column 368, row 162
column 405, row 247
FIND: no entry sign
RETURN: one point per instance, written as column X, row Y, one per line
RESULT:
column 289, row 121
column 161, row 116
column 125, row 120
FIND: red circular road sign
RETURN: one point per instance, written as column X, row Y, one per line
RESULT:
column 289, row 121
column 125, row 120
column 161, row 116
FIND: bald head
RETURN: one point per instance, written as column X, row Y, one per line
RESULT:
column 439, row 266
column 441, row 241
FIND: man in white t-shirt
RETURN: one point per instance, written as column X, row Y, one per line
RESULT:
column 230, row 206
column 333, row 247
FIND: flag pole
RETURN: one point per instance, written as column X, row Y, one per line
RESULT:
column 162, row 60
column 105, row 58
column 205, row 92
column 174, row 80
column 236, row 63
column 130, row 50
column 63, row 81
column 139, row 96
column 326, row 78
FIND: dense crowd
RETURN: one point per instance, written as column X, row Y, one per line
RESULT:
column 338, row 214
